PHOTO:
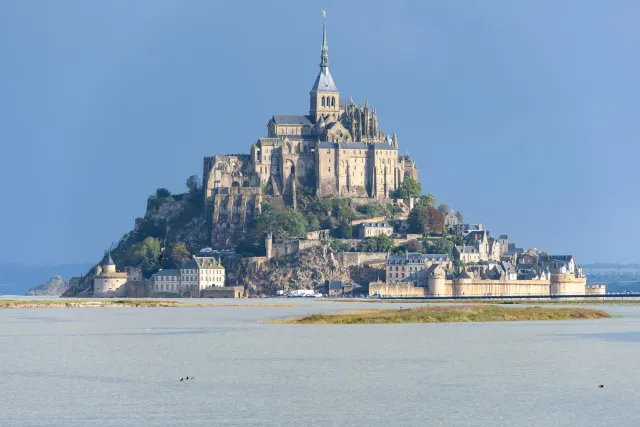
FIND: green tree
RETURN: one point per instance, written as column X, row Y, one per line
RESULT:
column 288, row 224
column 460, row 216
column 380, row 243
column 408, row 188
column 443, row 208
column 425, row 219
column 441, row 246
column 147, row 253
column 179, row 255
column 193, row 184
column 428, row 200
column 414, row 246
column 162, row 192
column 340, row 246
column 345, row 230
column 313, row 224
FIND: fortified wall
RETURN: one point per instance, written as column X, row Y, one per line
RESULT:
column 356, row 259
column 560, row 284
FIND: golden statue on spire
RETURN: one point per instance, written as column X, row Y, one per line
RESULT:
column 324, row 13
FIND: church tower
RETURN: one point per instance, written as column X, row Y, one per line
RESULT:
column 324, row 95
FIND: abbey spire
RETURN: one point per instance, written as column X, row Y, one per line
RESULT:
column 324, row 95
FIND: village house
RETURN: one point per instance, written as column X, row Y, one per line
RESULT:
column 190, row 279
column 373, row 229
column 412, row 267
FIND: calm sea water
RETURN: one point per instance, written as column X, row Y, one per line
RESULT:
column 121, row 367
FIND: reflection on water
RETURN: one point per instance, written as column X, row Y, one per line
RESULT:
column 122, row 367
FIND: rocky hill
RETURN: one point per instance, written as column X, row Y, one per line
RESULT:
column 306, row 269
column 55, row 287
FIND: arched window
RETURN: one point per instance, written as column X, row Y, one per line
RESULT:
column 333, row 101
column 323, row 101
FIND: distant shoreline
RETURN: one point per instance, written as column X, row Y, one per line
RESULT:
column 447, row 314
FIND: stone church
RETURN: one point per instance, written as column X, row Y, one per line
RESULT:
column 336, row 149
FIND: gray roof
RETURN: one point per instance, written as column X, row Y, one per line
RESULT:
column 375, row 224
column 168, row 272
column 566, row 258
column 324, row 82
column 416, row 258
column 466, row 249
column 190, row 264
column 356, row 145
column 107, row 259
column 291, row 119
column 383, row 146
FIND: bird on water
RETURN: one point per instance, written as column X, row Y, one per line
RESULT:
column 601, row 386
column 181, row 379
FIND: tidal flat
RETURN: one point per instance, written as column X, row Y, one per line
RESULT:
column 122, row 367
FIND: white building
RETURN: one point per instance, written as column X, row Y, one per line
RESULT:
column 211, row 273
column 109, row 283
column 194, row 276
column 372, row 229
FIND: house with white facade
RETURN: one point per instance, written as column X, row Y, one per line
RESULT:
column 201, row 272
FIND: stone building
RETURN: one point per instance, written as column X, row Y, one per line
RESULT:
column 412, row 267
column 108, row 282
column 338, row 148
column 372, row 229
column 190, row 279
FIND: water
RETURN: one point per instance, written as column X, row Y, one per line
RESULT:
column 121, row 367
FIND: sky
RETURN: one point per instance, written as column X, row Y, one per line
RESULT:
column 522, row 115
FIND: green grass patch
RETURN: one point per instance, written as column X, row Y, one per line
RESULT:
column 475, row 313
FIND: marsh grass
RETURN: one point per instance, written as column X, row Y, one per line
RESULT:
column 475, row 313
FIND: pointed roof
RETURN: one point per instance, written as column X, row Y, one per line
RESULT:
column 107, row 259
column 324, row 81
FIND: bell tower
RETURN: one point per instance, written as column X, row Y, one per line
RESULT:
column 324, row 95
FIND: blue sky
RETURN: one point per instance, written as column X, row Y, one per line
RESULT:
column 523, row 115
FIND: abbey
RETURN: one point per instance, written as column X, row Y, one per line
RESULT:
column 338, row 149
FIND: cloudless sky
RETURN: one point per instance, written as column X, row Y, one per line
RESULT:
column 524, row 115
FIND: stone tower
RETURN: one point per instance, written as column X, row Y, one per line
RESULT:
column 108, row 266
column 324, row 95
column 268, row 245
column 435, row 281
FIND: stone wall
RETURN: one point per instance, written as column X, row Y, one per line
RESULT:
column 351, row 259
column 567, row 284
column 396, row 290
column 471, row 287
column 223, row 292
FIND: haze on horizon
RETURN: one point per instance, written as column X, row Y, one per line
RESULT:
column 521, row 115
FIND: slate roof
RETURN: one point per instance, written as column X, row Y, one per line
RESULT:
column 356, row 145
column 416, row 258
column 189, row 264
column 466, row 249
column 375, row 224
column 108, row 260
column 291, row 119
column 168, row 272
column 324, row 82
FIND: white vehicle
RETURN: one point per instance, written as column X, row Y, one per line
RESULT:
column 301, row 293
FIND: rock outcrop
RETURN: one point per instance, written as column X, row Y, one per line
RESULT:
column 55, row 287
column 306, row 269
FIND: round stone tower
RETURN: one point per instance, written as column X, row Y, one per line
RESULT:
column 108, row 266
column 435, row 281
column 268, row 245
